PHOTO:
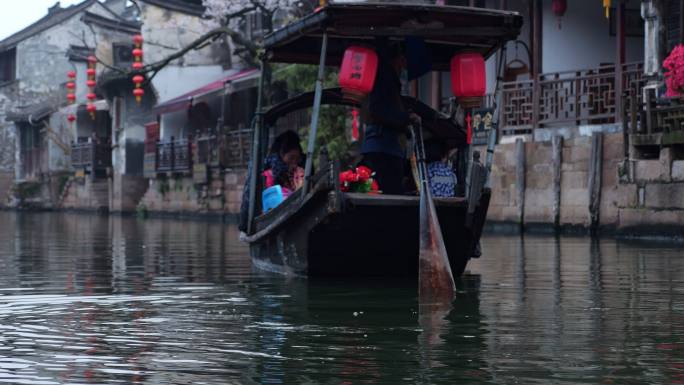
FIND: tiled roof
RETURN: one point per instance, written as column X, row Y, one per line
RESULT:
column 117, row 25
column 50, row 20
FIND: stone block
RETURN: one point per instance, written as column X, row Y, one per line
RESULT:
column 574, row 215
column 625, row 195
column 574, row 180
column 231, row 178
column 664, row 195
column 575, row 197
column 651, row 171
column 678, row 170
column 639, row 217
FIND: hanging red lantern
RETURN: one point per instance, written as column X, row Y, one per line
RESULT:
column 91, row 72
column 468, row 78
column 71, row 74
column 138, row 93
column 559, row 7
column 91, row 108
column 91, row 96
column 358, row 71
column 71, row 118
column 92, row 59
column 71, row 97
column 71, row 85
column 91, row 83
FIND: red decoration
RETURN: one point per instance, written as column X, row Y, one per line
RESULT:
column 674, row 77
column 559, row 7
column 71, row 118
column 469, row 129
column 91, row 108
column 91, row 72
column 91, row 96
column 138, row 93
column 71, row 97
column 468, row 76
column 71, row 85
column 360, row 181
column 92, row 59
column 71, row 74
column 358, row 71
column 91, row 83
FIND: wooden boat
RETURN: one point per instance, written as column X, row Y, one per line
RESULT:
column 321, row 230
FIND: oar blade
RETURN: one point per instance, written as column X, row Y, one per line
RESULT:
column 435, row 280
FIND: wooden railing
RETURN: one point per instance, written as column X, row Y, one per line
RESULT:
column 237, row 148
column 174, row 156
column 91, row 156
column 663, row 116
column 566, row 98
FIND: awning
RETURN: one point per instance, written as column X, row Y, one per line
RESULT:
column 185, row 100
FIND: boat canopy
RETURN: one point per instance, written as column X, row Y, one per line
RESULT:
column 435, row 123
column 446, row 30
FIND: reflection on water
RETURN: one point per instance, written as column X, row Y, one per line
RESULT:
column 93, row 300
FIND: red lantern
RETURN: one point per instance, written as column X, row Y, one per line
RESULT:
column 91, row 96
column 71, row 74
column 71, row 118
column 71, row 85
column 91, row 83
column 92, row 59
column 559, row 7
column 137, row 66
column 468, row 78
column 91, row 72
column 358, row 70
column 138, row 39
column 138, row 93
column 71, row 97
column 92, row 109
column 137, row 52
column 138, row 79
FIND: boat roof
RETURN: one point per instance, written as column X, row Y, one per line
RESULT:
column 445, row 29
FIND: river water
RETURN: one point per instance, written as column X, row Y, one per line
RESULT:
column 97, row 300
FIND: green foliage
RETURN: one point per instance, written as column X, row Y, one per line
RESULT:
column 62, row 182
column 332, row 119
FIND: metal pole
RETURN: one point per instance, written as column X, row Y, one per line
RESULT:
column 255, row 164
column 314, row 117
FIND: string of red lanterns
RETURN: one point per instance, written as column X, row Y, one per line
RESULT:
column 138, row 79
column 71, row 93
column 92, row 73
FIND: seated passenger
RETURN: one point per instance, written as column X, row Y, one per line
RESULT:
column 441, row 177
column 282, row 166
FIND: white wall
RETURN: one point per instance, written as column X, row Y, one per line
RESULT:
column 174, row 81
column 582, row 42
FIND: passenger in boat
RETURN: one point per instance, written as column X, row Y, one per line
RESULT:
column 387, row 121
column 441, row 176
column 283, row 165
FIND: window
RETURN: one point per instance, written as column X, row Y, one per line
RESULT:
column 8, row 65
column 123, row 54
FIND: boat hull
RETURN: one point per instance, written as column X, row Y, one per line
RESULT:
column 356, row 235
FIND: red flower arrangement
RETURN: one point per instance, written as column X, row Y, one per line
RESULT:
column 359, row 180
column 674, row 77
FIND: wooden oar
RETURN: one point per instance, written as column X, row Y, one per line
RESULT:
column 435, row 280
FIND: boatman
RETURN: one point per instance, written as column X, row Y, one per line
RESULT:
column 387, row 121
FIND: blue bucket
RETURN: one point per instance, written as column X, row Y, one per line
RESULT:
column 272, row 197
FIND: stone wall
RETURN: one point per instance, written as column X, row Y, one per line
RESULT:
column 180, row 195
column 86, row 194
column 633, row 195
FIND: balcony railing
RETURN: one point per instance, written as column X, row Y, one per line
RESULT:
column 174, row 156
column 654, row 122
column 91, row 156
column 566, row 98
